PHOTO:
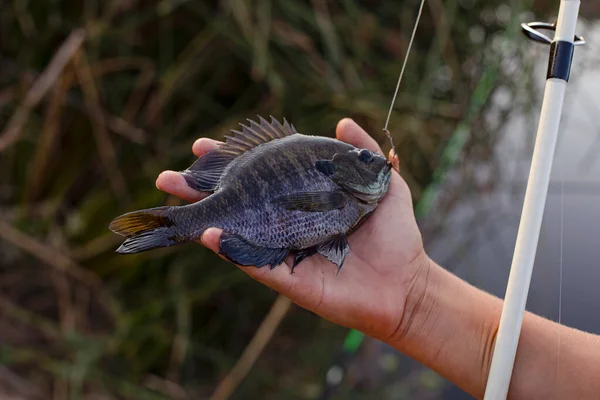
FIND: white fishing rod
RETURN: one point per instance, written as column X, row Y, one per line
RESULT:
column 559, row 66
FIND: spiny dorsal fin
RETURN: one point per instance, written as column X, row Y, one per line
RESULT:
column 204, row 175
column 256, row 133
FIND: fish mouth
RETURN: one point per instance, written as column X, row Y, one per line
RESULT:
column 388, row 167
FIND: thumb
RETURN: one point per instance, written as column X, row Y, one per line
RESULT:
column 348, row 131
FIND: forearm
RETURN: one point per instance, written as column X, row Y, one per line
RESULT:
column 555, row 362
column 451, row 327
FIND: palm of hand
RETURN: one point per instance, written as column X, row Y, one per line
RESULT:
column 386, row 253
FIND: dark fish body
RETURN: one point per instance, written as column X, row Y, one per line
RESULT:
column 275, row 191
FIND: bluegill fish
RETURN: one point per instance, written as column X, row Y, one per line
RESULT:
column 274, row 192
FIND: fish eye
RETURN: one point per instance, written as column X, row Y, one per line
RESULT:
column 365, row 156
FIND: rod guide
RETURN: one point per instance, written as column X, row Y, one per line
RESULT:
column 561, row 51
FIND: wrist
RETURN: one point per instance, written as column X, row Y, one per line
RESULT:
column 449, row 325
column 421, row 302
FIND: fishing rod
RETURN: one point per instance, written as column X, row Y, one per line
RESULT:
column 558, row 63
column 559, row 67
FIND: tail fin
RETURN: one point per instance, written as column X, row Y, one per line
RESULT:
column 146, row 230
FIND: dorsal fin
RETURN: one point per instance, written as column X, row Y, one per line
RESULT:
column 256, row 133
column 204, row 174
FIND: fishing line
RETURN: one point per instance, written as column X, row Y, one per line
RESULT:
column 335, row 373
column 412, row 38
column 560, row 263
column 559, row 68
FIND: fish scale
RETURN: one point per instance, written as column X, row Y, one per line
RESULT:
column 270, row 226
column 274, row 191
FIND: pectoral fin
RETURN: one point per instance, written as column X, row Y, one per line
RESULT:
column 335, row 250
column 313, row 201
column 240, row 251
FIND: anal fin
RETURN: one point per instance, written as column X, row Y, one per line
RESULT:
column 335, row 250
column 240, row 251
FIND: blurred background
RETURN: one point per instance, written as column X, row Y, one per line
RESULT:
column 98, row 97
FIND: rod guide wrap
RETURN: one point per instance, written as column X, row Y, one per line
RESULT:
column 561, row 56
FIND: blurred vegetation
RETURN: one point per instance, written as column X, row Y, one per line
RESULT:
column 97, row 98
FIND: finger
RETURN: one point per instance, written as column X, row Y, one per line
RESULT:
column 277, row 279
column 174, row 183
column 393, row 158
column 304, row 287
column 210, row 238
column 204, row 145
column 348, row 131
